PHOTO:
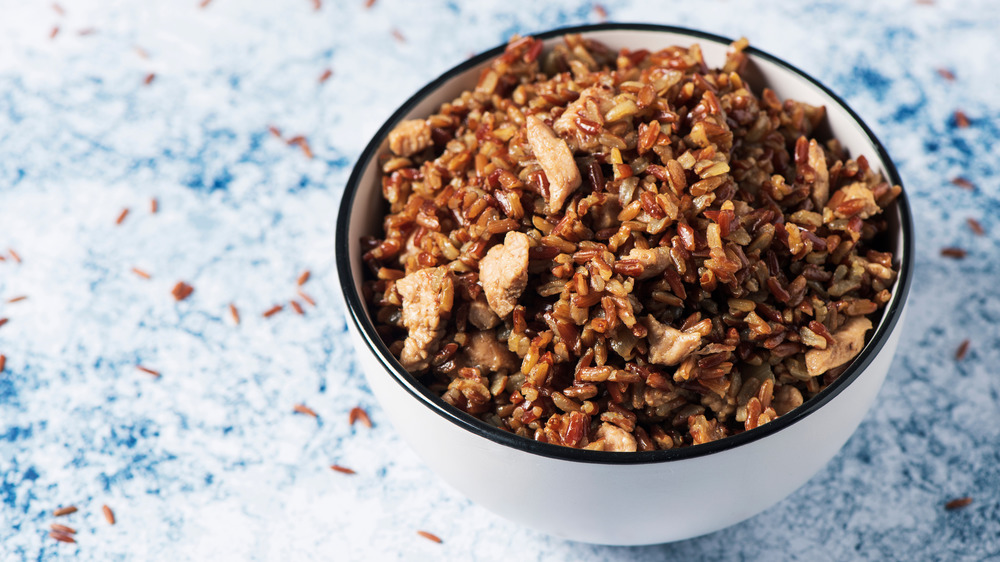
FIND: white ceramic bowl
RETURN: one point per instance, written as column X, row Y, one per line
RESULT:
column 623, row 498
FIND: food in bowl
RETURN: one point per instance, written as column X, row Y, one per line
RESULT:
column 625, row 251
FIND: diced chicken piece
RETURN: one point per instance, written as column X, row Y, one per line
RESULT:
column 490, row 355
column 592, row 104
column 427, row 295
column 481, row 315
column 654, row 260
column 821, row 182
column 858, row 190
column 503, row 272
column 848, row 341
column 410, row 137
column 556, row 161
column 615, row 438
column 668, row 345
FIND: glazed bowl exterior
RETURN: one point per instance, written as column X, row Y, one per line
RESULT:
column 623, row 498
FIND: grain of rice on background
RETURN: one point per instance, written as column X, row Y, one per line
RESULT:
column 625, row 251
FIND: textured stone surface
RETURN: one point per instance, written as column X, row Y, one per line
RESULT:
column 209, row 460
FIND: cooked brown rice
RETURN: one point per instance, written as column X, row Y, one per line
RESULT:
column 625, row 251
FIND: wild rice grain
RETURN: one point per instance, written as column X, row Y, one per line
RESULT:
column 297, row 307
column 63, row 529
column 963, row 183
column 61, row 537
column 121, row 217
column 958, row 503
column 359, row 414
column 141, row 273
column 953, row 252
column 108, row 514
column 306, row 410
column 963, row 348
column 153, row 372
column 303, row 278
column 342, row 469
column 64, row 511
column 977, row 228
column 273, row 310
column 182, row 290
column 430, row 536
column 234, row 312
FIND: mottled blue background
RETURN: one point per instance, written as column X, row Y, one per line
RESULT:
column 209, row 462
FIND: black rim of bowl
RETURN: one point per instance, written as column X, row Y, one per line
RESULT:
column 356, row 306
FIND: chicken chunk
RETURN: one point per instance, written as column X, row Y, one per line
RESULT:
column 503, row 272
column 616, row 439
column 668, row 345
column 410, row 137
column 592, row 104
column 858, row 190
column 654, row 260
column 848, row 341
column 489, row 354
column 821, row 181
column 428, row 296
column 481, row 315
column 556, row 161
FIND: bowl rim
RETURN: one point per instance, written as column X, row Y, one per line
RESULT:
column 356, row 306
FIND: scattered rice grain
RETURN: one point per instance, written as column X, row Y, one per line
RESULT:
column 961, row 119
column 958, row 503
column 62, row 537
column 430, row 536
column 64, row 510
column 181, row 291
column 303, row 409
column 342, row 469
column 976, row 227
column 273, row 310
column 63, row 529
column 953, row 252
column 963, row 348
column 108, row 514
column 359, row 414
column 17, row 299
column 149, row 78
column 297, row 307
column 121, row 217
column 303, row 278
column 141, row 273
column 153, row 372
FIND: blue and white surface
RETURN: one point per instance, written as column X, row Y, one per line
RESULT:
column 209, row 462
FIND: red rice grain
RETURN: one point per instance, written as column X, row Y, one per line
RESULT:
column 303, row 144
column 62, row 537
column 303, row 409
column 64, row 511
column 306, row 297
column 149, row 78
column 342, row 469
column 3, row 361
column 953, row 252
column 154, row 205
column 963, row 349
column 302, row 278
column 182, row 291
column 297, row 307
column 274, row 131
column 59, row 9
column 317, row 5
column 961, row 119
column 359, row 414
column 369, row 3
column 4, row 321
column 17, row 299
column 108, row 514
column 963, row 183
column 14, row 255
column 273, row 310
column 121, row 217
column 946, row 74
column 234, row 312
column 63, row 529
column 325, row 76
column 398, row 35
column 430, row 536
column 601, row 12
column 54, row 32
column 977, row 228
column 153, row 372
column 141, row 273
column 958, row 503
column 204, row 4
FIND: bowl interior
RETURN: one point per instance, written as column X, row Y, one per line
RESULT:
column 362, row 210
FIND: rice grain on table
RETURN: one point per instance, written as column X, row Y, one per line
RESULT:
column 234, row 312
column 62, row 537
column 273, row 310
column 961, row 119
column 296, row 307
column 64, row 510
column 141, row 273
column 976, row 227
column 58, row 9
column 303, row 277
column 953, row 252
column 327, row 73
column 430, row 536
column 54, row 32
column 626, row 250
column 121, row 216
column 182, row 291
column 149, row 78
column 4, row 321
column 305, row 410
column 15, row 255
column 958, row 503
column 18, row 298
column 359, row 414
column 154, row 205
column 3, row 361
column 108, row 514
column 963, row 349
column 342, row 469
column 63, row 529
column 398, row 35
column 306, row 297
column 947, row 74
column 147, row 370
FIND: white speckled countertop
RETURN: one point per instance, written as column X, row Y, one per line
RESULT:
column 208, row 461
